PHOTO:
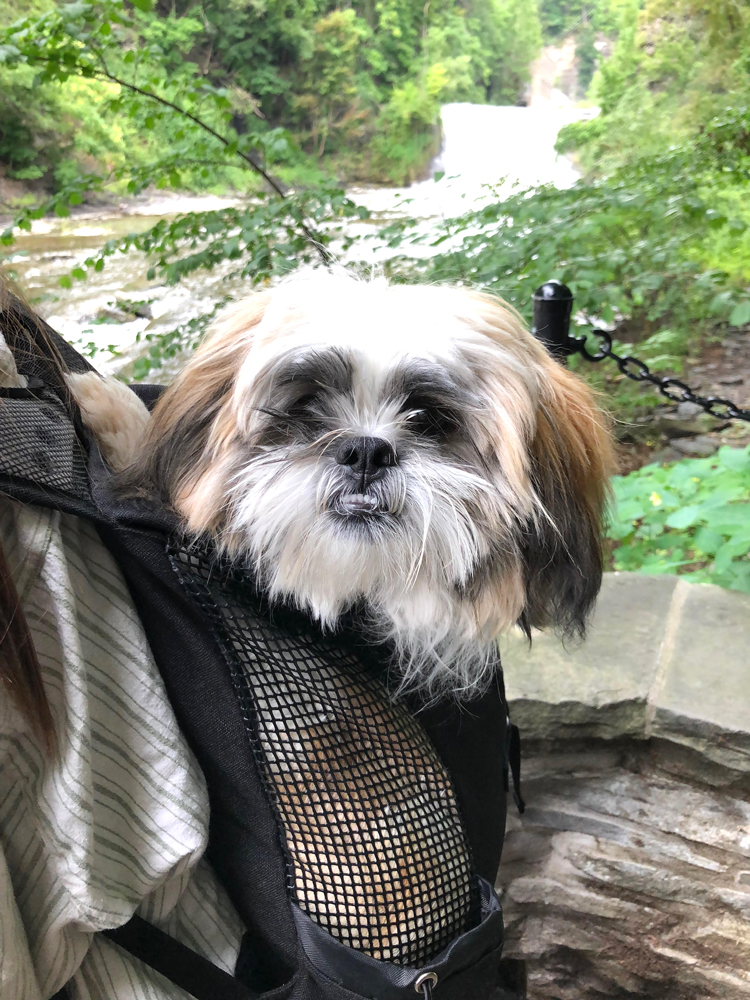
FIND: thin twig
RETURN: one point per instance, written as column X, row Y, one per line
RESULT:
column 186, row 114
column 323, row 253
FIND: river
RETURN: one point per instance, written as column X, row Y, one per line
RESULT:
column 482, row 145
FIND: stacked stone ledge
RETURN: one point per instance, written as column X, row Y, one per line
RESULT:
column 629, row 873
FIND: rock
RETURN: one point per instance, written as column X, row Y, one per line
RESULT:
column 697, row 447
column 113, row 314
column 628, row 876
column 666, row 455
column 704, row 700
column 687, row 410
column 599, row 688
column 648, row 903
column 673, row 427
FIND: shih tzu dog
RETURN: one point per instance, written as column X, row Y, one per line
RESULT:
column 410, row 448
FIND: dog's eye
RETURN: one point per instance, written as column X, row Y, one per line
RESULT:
column 302, row 403
column 309, row 397
column 429, row 419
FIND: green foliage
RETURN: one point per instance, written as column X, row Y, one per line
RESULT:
column 587, row 56
column 163, row 348
column 105, row 81
column 676, row 65
column 266, row 238
column 362, row 85
column 631, row 249
column 517, row 41
column 563, row 17
column 328, row 89
column 102, row 44
column 691, row 518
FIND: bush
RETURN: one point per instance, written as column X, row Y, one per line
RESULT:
column 691, row 518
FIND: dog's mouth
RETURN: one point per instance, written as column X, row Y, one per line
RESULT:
column 358, row 505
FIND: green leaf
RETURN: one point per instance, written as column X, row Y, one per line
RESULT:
column 736, row 459
column 684, row 517
column 708, row 541
column 9, row 53
column 736, row 548
column 740, row 314
column 26, row 174
column 728, row 520
column 65, row 282
column 78, row 273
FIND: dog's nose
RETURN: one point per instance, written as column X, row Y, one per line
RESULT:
column 367, row 457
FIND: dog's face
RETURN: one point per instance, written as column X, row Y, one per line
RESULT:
column 412, row 449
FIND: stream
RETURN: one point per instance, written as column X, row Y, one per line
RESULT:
column 482, row 145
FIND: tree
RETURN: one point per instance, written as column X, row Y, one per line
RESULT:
column 123, row 51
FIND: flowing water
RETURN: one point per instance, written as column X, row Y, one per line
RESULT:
column 483, row 146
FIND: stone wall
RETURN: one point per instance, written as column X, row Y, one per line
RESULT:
column 629, row 873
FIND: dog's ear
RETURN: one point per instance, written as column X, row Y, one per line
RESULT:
column 181, row 455
column 571, row 463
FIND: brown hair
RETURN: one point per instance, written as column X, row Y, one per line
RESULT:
column 20, row 673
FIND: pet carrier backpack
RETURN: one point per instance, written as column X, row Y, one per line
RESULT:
column 357, row 835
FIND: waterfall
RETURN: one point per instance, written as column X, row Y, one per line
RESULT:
column 482, row 144
column 485, row 144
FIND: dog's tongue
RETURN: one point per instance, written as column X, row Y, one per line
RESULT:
column 359, row 503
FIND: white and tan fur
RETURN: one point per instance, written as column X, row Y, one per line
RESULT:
column 489, row 516
column 115, row 415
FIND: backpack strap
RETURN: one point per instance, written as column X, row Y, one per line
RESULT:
column 178, row 963
column 514, row 761
column 43, row 455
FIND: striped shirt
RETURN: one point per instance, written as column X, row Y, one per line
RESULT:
column 117, row 822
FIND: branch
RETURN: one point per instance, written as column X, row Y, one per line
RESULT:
column 323, row 253
column 181, row 111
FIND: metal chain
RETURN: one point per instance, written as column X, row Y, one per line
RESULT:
column 674, row 390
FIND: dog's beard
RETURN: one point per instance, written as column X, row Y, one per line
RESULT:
column 413, row 551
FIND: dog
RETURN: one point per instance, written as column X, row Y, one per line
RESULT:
column 410, row 448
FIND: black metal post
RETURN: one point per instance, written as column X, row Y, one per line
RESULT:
column 553, row 306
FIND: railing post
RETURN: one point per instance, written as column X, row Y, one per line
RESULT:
column 553, row 305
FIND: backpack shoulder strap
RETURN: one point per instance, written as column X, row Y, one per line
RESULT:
column 180, row 964
column 43, row 454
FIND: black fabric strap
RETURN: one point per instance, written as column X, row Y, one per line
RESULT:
column 180, row 964
column 514, row 759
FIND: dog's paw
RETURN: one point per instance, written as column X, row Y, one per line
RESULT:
column 113, row 413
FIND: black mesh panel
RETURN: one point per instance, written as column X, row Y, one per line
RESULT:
column 376, row 848
column 39, row 443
